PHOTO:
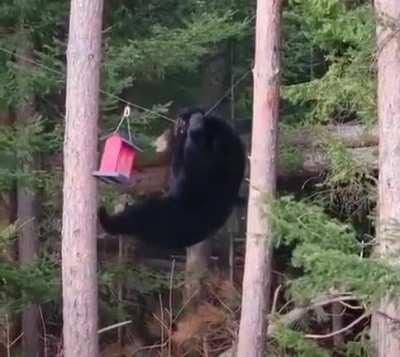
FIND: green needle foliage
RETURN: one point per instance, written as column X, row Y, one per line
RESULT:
column 329, row 60
column 292, row 343
column 143, row 42
column 328, row 76
column 327, row 255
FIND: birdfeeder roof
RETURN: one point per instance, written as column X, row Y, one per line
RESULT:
column 123, row 139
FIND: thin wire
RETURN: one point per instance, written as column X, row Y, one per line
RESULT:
column 233, row 86
column 137, row 106
column 228, row 92
column 218, row 102
column 128, row 122
column 30, row 61
column 101, row 90
column 125, row 115
column 119, row 124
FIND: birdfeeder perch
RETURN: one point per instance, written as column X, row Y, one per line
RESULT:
column 118, row 160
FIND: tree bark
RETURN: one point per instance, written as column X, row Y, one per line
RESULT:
column 226, row 261
column 386, row 332
column 28, row 242
column 337, row 324
column 263, row 172
column 196, row 269
column 198, row 256
column 79, row 256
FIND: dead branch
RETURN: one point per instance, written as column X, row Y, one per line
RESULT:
column 114, row 326
column 298, row 313
column 390, row 318
column 275, row 299
column 351, row 307
column 344, row 329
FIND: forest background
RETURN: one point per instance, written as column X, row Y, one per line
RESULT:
column 166, row 54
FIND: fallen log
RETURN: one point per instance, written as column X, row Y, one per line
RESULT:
column 314, row 162
column 308, row 158
column 307, row 163
column 351, row 135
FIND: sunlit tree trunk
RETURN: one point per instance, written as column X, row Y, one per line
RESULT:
column 28, row 242
column 79, row 207
column 257, row 273
column 386, row 330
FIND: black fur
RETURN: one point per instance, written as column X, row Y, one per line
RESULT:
column 207, row 170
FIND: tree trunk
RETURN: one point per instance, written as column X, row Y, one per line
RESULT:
column 198, row 256
column 337, row 324
column 257, row 272
column 386, row 331
column 226, row 262
column 196, row 269
column 79, row 256
column 28, row 242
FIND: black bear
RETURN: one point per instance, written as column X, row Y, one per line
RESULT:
column 207, row 170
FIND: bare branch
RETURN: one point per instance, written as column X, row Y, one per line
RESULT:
column 114, row 326
column 298, row 312
column 391, row 318
column 344, row 329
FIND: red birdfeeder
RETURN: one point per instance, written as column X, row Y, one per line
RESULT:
column 118, row 160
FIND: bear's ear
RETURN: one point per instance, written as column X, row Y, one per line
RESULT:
column 196, row 121
column 185, row 113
